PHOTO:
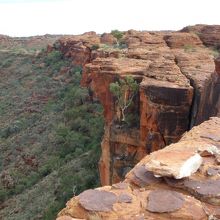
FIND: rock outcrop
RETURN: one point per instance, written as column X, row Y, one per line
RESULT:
column 209, row 34
column 179, row 87
column 153, row 190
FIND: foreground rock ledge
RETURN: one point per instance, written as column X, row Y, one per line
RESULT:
column 143, row 196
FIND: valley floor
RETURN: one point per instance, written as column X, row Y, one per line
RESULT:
column 49, row 150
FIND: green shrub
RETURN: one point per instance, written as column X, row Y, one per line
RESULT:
column 53, row 163
column 189, row 48
column 124, row 91
column 95, row 47
column 76, row 96
column 6, row 63
column 50, row 212
column 15, row 127
column 117, row 34
column 3, row 195
column 55, row 60
column 55, row 147
column 53, row 57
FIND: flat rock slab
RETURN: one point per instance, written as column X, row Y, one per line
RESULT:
column 213, row 171
column 174, row 163
column 177, row 183
column 124, row 197
column 207, row 188
column 146, row 177
column 162, row 201
column 95, row 200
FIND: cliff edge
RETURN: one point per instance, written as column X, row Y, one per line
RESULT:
column 179, row 85
column 180, row 181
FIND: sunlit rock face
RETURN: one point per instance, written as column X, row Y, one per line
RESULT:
column 209, row 34
column 162, row 191
column 179, row 87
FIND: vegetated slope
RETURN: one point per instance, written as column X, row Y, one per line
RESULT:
column 50, row 133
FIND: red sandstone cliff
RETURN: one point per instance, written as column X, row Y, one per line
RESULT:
column 180, row 181
column 209, row 34
column 179, row 86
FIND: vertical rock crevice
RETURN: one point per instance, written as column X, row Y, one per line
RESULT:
column 196, row 63
column 194, row 106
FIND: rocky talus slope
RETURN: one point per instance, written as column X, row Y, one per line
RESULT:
column 179, row 86
column 180, row 181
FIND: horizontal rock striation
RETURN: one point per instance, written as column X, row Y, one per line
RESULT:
column 209, row 34
column 153, row 190
column 179, row 86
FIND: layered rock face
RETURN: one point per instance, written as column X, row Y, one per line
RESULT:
column 179, row 86
column 209, row 34
column 181, row 181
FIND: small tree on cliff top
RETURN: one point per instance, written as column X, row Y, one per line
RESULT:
column 124, row 90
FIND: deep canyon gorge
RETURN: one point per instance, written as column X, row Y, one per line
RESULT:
column 179, row 86
column 61, row 127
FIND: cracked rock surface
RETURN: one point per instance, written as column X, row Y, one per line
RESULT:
column 143, row 196
column 161, row 201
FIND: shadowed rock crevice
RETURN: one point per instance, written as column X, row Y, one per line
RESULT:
column 194, row 106
column 196, row 63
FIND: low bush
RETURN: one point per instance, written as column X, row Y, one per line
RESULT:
column 6, row 63
column 189, row 48
column 95, row 47
column 117, row 34
column 55, row 60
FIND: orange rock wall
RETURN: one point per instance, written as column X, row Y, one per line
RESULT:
column 178, row 88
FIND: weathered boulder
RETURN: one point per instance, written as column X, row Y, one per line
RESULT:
column 108, row 39
column 180, row 40
column 182, row 164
